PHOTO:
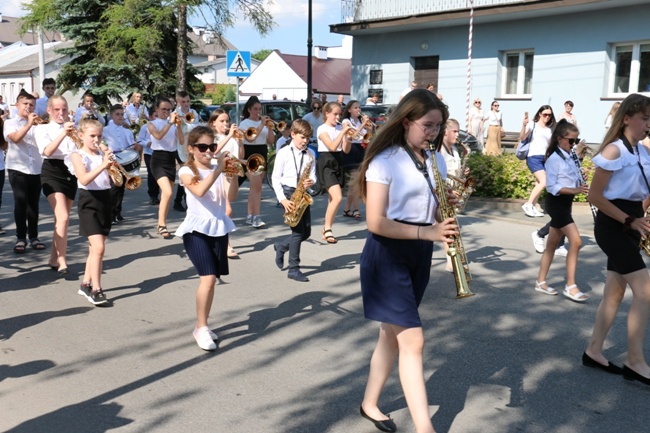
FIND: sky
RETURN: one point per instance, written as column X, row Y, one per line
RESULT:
column 289, row 34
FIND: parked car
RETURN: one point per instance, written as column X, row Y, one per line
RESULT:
column 278, row 111
column 206, row 111
column 376, row 113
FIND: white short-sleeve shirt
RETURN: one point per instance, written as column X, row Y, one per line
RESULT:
column 23, row 156
column 627, row 181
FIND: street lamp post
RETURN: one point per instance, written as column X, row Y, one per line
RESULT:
column 309, row 52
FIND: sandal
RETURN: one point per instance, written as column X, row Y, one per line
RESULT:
column 577, row 297
column 328, row 237
column 162, row 231
column 347, row 213
column 20, row 246
column 547, row 290
column 232, row 254
column 356, row 214
column 36, row 244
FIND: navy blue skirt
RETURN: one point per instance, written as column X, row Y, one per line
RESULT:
column 394, row 275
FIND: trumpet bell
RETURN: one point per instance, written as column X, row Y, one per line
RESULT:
column 255, row 164
column 135, row 128
column 251, row 134
column 102, row 109
column 189, row 117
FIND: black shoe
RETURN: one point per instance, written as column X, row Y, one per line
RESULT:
column 154, row 201
column 279, row 257
column 119, row 218
column 298, row 276
column 385, row 425
column 629, row 374
column 179, row 207
column 587, row 361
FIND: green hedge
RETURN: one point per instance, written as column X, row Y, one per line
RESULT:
column 507, row 177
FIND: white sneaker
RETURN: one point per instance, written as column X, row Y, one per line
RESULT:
column 538, row 211
column 257, row 222
column 249, row 219
column 529, row 210
column 538, row 242
column 214, row 336
column 561, row 251
column 203, row 338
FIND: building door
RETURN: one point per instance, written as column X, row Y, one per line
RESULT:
column 426, row 71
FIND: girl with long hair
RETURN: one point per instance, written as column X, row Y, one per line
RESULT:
column 206, row 225
column 619, row 189
column 541, row 128
column 563, row 182
column 403, row 222
column 352, row 160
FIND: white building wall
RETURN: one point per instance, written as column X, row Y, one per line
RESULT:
column 273, row 76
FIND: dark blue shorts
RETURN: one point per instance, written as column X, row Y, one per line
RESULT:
column 535, row 163
column 208, row 254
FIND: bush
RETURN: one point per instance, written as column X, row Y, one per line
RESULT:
column 507, row 177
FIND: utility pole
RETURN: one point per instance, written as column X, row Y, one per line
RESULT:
column 309, row 53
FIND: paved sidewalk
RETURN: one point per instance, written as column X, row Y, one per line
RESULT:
column 294, row 356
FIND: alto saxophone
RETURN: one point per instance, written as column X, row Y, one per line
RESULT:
column 456, row 249
column 300, row 198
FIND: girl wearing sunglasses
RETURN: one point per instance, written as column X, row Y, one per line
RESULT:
column 206, row 225
column 563, row 182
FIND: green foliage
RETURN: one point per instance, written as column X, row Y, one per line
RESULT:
column 231, row 94
column 261, row 55
column 507, row 177
column 221, row 93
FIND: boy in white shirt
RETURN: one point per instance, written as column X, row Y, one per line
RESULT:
column 291, row 162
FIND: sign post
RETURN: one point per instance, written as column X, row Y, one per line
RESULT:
column 239, row 66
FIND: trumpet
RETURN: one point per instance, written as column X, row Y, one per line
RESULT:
column 187, row 118
column 134, row 128
column 278, row 126
column 102, row 109
column 250, row 134
column 40, row 121
column 119, row 176
column 253, row 165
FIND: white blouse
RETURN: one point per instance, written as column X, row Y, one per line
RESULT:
column 45, row 134
column 23, row 156
column 540, row 139
column 205, row 214
column 561, row 172
column 232, row 146
column 333, row 132
column 101, row 182
column 626, row 181
column 168, row 142
column 261, row 137
column 409, row 196
column 355, row 123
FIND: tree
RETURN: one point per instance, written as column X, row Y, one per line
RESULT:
column 261, row 55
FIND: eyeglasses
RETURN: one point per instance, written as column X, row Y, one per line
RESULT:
column 547, row 114
column 573, row 140
column 203, row 147
column 428, row 129
column 165, row 109
column 316, row 108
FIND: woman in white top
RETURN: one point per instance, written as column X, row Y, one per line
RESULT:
column 541, row 129
column 224, row 132
column 567, row 114
column 206, row 225
column 619, row 189
column 164, row 132
column 252, row 114
column 563, row 182
column 55, row 143
column 333, row 141
column 476, row 120
column 401, row 212
column 610, row 115
column 352, row 160
column 495, row 123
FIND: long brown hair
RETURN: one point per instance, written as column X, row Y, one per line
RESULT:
column 631, row 105
column 415, row 105
column 192, row 138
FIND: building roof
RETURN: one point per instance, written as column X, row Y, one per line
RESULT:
column 9, row 27
column 210, row 48
column 332, row 76
column 29, row 62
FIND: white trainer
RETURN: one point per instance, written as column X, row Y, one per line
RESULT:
column 249, row 219
column 257, row 222
column 538, row 242
column 203, row 338
column 561, row 251
column 529, row 210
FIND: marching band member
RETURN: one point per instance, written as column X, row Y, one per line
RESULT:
column 144, row 140
column 562, row 184
column 164, row 134
column 352, row 159
column 49, row 86
column 88, row 110
column 135, row 110
column 59, row 185
column 24, row 164
column 185, row 113
column 619, row 189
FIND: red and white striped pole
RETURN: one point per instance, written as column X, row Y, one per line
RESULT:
column 469, row 62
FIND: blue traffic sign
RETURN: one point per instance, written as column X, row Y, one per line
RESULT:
column 238, row 63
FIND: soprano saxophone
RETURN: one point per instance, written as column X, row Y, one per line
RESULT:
column 456, row 249
column 300, row 198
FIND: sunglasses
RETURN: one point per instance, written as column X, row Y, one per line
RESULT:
column 203, row 147
column 573, row 140
column 546, row 114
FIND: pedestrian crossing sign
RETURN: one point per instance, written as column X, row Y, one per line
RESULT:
column 238, row 63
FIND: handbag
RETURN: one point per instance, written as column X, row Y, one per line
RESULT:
column 524, row 145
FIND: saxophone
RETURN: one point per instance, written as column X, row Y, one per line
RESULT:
column 300, row 198
column 456, row 250
column 463, row 186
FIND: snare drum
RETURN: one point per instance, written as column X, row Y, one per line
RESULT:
column 129, row 159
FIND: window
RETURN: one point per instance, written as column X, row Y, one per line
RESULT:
column 630, row 69
column 518, row 73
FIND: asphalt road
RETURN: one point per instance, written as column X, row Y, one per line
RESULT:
column 294, row 356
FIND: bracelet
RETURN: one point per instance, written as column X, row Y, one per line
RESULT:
column 628, row 222
column 418, row 232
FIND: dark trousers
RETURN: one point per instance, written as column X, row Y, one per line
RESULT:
column 153, row 190
column 543, row 232
column 180, row 191
column 299, row 233
column 27, row 192
column 117, row 196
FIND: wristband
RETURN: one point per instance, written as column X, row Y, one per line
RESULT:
column 628, row 222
